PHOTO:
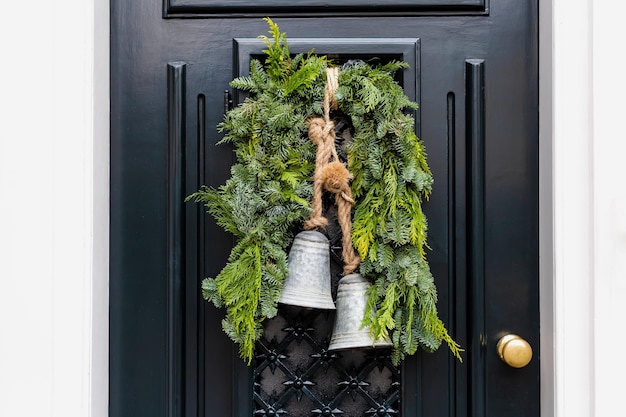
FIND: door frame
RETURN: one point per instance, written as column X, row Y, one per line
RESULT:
column 566, row 117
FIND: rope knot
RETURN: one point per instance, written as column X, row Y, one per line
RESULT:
column 332, row 175
column 316, row 130
column 336, row 177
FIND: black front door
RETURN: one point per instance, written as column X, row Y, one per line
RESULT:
column 474, row 74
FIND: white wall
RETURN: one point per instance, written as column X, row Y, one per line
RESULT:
column 54, row 208
column 609, row 205
column 572, row 169
column 587, row 295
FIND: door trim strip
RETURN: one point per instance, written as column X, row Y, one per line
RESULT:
column 176, row 115
column 475, row 131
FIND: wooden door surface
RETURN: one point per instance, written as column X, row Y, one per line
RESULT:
column 474, row 73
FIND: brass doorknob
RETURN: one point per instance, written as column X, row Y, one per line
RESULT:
column 514, row 351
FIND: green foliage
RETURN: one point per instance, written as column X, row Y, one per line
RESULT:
column 267, row 196
column 268, row 193
column 392, row 178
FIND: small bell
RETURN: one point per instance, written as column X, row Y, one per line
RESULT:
column 351, row 301
column 308, row 281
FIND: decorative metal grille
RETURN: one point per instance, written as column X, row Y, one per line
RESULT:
column 294, row 373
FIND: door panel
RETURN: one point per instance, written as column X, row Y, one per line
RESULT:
column 197, row 8
column 475, row 78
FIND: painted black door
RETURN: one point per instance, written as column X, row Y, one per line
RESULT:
column 474, row 73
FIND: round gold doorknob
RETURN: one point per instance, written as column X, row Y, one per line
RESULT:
column 514, row 351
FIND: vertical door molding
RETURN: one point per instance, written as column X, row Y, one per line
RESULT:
column 176, row 118
column 546, row 219
column 96, row 57
column 475, row 132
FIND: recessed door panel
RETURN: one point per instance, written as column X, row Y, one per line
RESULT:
column 175, row 8
column 294, row 373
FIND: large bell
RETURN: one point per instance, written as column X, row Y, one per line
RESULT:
column 351, row 301
column 308, row 281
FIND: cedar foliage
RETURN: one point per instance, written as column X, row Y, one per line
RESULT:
column 267, row 196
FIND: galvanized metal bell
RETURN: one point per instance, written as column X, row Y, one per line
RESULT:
column 308, row 281
column 351, row 301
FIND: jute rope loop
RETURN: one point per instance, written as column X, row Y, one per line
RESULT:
column 332, row 175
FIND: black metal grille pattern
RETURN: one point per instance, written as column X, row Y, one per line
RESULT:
column 296, row 376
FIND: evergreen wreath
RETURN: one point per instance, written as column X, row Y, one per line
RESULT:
column 267, row 198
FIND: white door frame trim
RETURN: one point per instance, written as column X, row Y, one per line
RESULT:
column 566, row 213
column 582, row 206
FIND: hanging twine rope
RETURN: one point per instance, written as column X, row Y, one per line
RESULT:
column 332, row 175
